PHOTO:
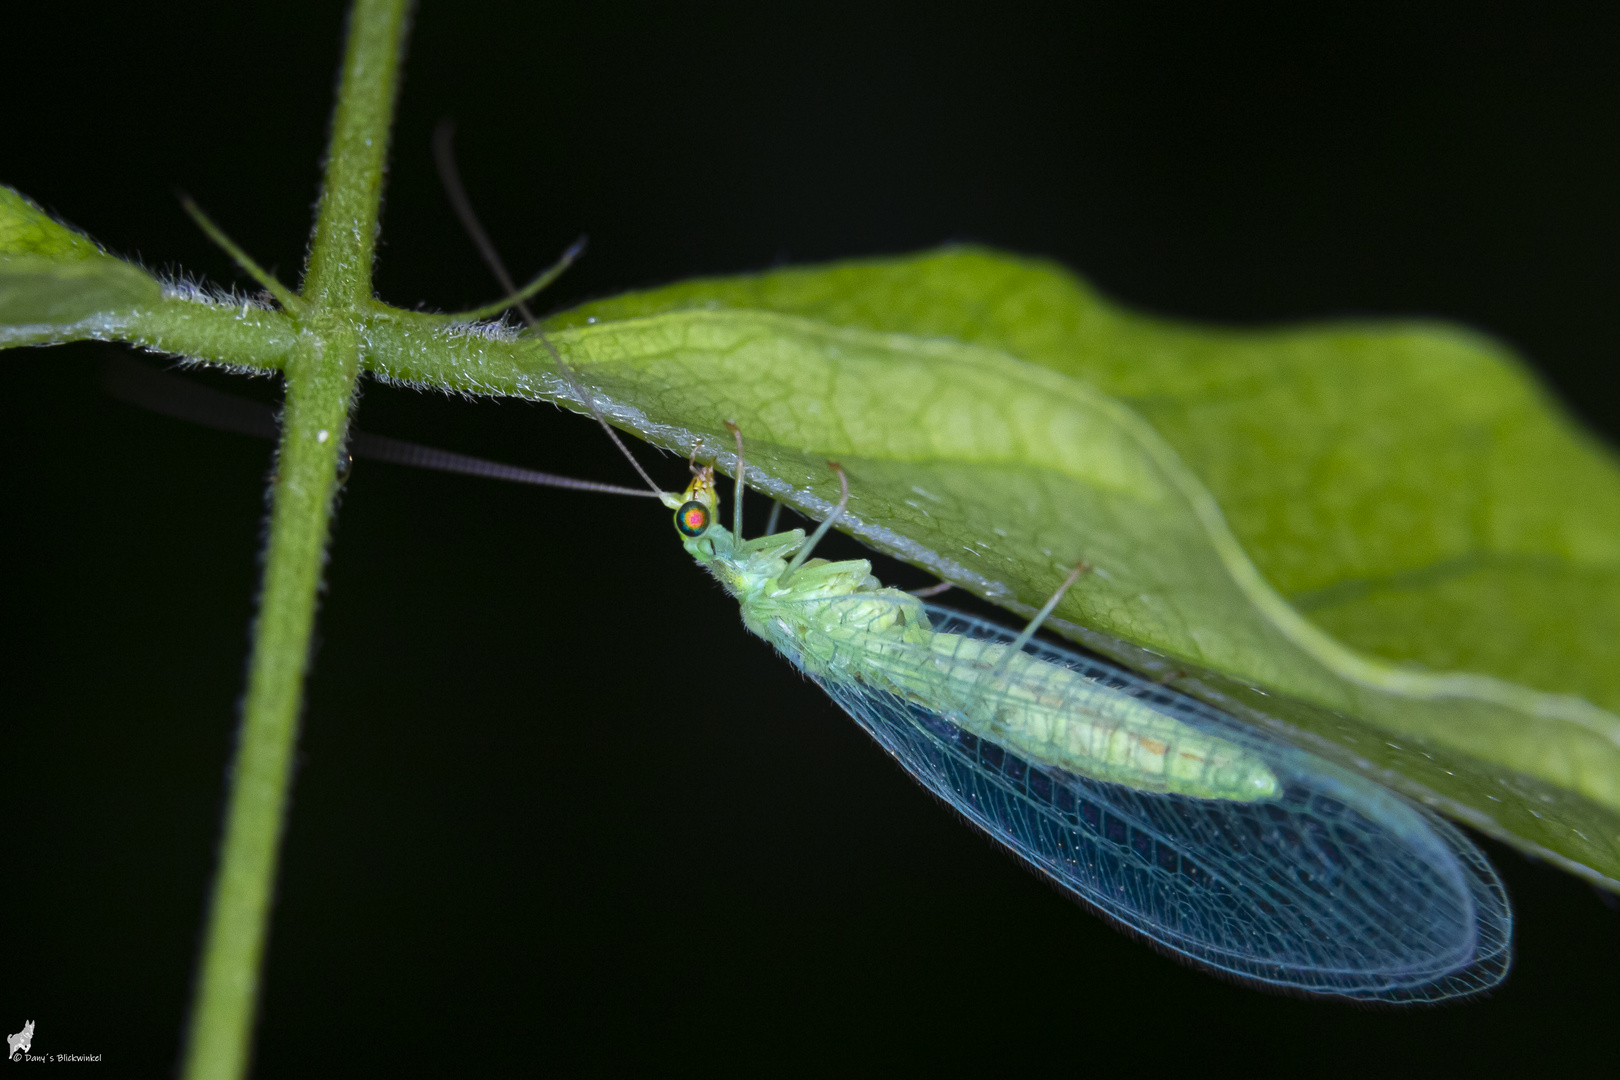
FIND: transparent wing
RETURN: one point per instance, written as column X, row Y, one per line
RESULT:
column 1335, row 886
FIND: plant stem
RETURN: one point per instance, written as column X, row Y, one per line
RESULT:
column 320, row 379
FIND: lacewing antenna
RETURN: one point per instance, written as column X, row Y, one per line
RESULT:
column 156, row 391
column 160, row 392
column 444, row 157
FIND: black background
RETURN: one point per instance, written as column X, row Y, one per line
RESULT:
column 554, row 811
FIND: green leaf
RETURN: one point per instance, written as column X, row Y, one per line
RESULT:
column 1382, row 539
column 56, row 284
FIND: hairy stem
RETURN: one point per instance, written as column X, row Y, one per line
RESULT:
column 320, row 378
